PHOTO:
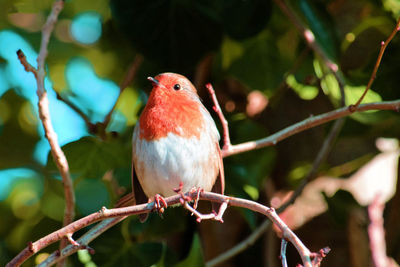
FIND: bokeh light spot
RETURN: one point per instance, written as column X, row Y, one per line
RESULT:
column 5, row 112
column 25, row 204
column 27, row 118
column 86, row 27
column 94, row 95
column 11, row 179
column 41, row 257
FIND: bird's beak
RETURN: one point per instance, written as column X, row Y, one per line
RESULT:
column 153, row 81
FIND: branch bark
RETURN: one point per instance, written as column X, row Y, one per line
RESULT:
column 44, row 114
column 308, row 123
column 120, row 213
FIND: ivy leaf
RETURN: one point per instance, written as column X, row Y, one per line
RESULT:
column 90, row 157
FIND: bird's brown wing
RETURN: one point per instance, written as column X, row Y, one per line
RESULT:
column 137, row 196
column 219, row 185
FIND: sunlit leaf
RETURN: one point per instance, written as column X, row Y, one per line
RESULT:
column 251, row 191
column 306, row 92
column 31, row 6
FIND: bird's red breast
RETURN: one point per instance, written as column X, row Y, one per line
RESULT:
column 171, row 111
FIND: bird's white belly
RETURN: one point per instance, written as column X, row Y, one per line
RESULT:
column 162, row 164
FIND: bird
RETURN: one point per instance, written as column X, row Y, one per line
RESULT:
column 175, row 143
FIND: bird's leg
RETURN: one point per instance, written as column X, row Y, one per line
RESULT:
column 178, row 190
column 198, row 190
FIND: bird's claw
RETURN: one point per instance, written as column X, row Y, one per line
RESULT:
column 198, row 190
column 160, row 204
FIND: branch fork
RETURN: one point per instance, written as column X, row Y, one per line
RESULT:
column 185, row 199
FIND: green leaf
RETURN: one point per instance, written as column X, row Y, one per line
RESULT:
column 252, row 191
column 90, row 157
column 306, row 92
column 91, row 195
column 353, row 93
column 195, row 257
column 31, row 6
column 230, row 51
column 254, row 67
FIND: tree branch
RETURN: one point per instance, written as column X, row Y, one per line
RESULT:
column 311, row 122
column 44, row 113
column 143, row 208
column 83, row 241
column 228, row 149
column 298, row 127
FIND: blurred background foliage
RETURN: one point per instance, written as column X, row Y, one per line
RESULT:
column 266, row 78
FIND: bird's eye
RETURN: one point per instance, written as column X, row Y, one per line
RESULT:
column 177, row 87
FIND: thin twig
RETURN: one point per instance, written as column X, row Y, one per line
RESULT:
column 317, row 257
column 100, row 128
column 76, row 109
column 227, row 141
column 44, row 113
column 129, row 77
column 384, row 44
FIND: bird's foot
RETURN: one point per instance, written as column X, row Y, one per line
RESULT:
column 160, row 204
